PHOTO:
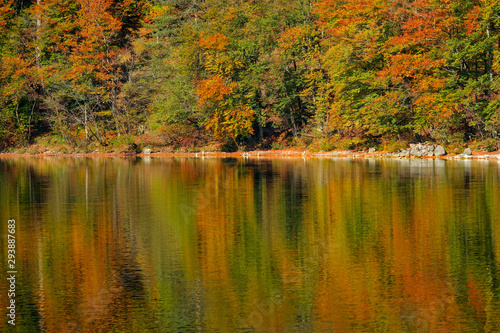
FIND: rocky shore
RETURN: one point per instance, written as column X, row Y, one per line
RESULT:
column 414, row 151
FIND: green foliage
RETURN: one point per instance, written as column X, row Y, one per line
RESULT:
column 363, row 72
column 485, row 145
column 394, row 145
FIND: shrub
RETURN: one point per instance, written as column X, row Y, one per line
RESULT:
column 485, row 145
column 394, row 145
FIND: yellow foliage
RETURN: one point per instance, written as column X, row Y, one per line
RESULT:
column 291, row 37
column 157, row 11
column 233, row 122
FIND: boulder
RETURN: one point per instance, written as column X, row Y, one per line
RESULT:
column 372, row 150
column 339, row 152
column 467, row 152
column 147, row 151
column 439, row 151
column 416, row 151
column 403, row 153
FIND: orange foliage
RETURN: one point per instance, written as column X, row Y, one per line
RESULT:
column 472, row 22
column 213, row 89
column 6, row 13
column 291, row 36
column 415, row 66
column 215, row 42
column 340, row 19
column 13, row 71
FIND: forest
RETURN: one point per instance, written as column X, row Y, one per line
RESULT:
column 109, row 75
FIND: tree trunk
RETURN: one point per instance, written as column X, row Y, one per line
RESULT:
column 86, row 125
column 37, row 42
column 490, row 55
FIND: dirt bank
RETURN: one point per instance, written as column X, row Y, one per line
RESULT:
column 265, row 154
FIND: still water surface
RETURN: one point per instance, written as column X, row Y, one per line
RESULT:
column 232, row 245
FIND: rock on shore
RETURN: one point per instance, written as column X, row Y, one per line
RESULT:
column 420, row 150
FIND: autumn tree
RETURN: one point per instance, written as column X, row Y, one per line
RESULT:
column 84, row 47
column 19, row 82
column 240, row 71
column 171, row 66
column 353, row 33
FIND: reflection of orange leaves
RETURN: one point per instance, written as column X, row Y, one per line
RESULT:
column 476, row 296
column 213, row 89
column 217, row 42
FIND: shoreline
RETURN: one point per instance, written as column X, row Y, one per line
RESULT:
column 476, row 155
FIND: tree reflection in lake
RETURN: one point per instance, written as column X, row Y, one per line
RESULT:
column 185, row 244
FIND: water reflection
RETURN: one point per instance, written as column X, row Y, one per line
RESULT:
column 185, row 244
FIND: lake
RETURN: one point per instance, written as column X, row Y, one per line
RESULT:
column 252, row 245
